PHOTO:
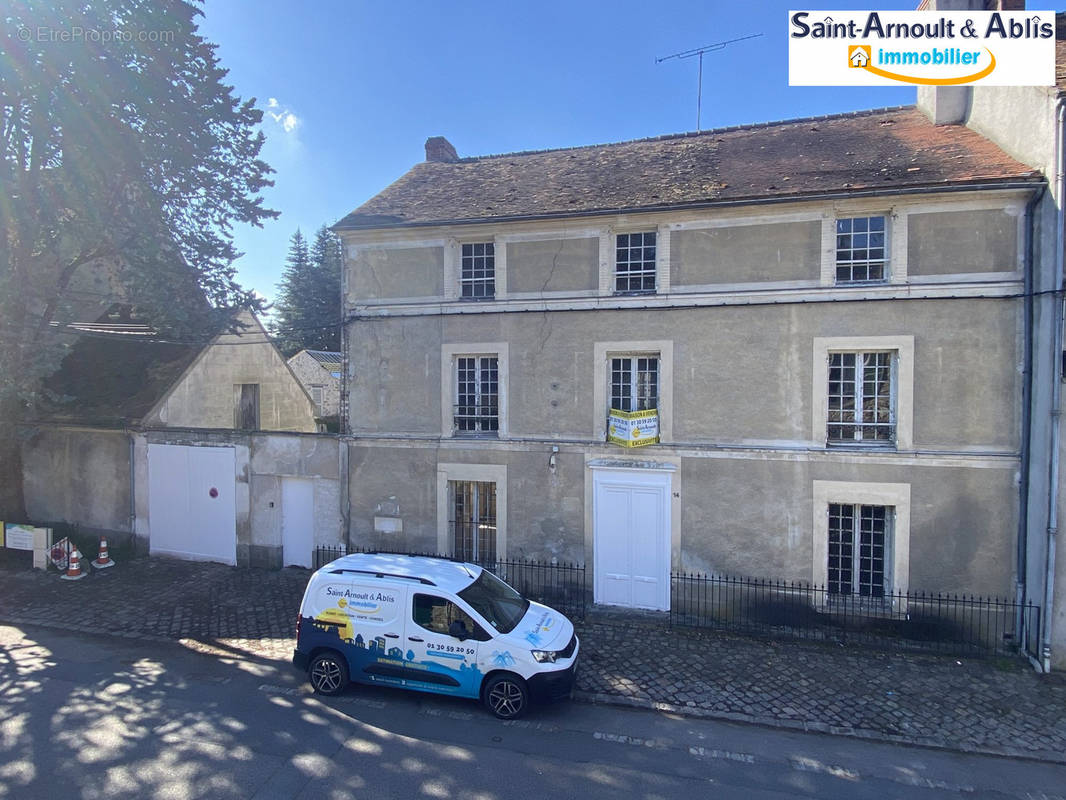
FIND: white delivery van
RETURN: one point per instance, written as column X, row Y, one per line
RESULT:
column 434, row 625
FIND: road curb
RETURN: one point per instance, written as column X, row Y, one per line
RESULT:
column 600, row 698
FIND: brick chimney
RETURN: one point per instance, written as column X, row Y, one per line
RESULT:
column 440, row 149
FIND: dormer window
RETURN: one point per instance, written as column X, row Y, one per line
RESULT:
column 477, row 278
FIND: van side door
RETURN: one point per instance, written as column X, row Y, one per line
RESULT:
column 437, row 660
column 376, row 650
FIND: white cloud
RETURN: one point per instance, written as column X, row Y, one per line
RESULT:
column 284, row 118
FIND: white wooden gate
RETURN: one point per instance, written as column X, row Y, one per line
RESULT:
column 297, row 521
column 631, row 538
column 192, row 510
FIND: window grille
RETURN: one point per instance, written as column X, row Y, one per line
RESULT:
column 862, row 402
column 635, row 262
column 478, row 271
column 473, row 520
column 860, row 250
column 477, row 406
column 858, row 544
column 634, row 383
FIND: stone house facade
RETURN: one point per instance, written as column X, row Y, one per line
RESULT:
column 813, row 331
column 319, row 372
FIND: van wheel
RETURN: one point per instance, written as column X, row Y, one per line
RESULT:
column 328, row 674
column 506, row 696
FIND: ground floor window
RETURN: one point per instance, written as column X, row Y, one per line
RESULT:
column 473, row 520
column 859, row 549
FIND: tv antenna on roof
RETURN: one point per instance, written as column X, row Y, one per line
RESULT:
column 699, row 51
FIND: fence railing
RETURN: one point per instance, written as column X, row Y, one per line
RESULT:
column 920, row 621
column 937, row 622
column 557, row 584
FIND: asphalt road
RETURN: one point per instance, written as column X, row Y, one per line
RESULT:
column 101, row 717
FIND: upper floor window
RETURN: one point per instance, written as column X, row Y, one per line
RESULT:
column 635, row 262
column 477, row 279
column 477, row 395
column 860, row 250
column 862, row 398
column 635, row 383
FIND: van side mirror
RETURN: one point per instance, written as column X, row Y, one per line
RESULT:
column 458, row 630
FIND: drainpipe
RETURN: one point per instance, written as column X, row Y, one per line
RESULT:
column 1056, row 392
column 1021, row 619
column 133, row 495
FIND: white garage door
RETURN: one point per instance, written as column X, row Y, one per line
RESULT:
column 631, row 540
column 192, row 510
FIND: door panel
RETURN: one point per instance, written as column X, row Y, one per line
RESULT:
column 297, row 521
column 436, row 660
column 192, row 502
column 631, row 538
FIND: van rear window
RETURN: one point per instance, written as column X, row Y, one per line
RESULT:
column 497, row 602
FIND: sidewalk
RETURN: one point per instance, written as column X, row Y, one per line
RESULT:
column 1000, row 707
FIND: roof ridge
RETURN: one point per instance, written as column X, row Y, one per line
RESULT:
column 695, row 134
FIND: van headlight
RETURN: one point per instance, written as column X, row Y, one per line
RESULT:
column 544, row 656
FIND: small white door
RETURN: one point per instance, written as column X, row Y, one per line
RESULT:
column 297, row 521
column 631, row 538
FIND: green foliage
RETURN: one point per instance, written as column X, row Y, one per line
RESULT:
column 126, row 162
column 308, row 309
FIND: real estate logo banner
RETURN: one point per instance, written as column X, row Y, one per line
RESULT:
column 923, row 48
column 633, row 428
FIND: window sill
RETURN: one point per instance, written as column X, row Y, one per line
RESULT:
column 891, row 446
column 475, row 434
column 477, row 299
column 634, row 292
column 878, row 282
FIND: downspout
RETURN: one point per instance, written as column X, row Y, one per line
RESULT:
column 342, row 412
column 1021, row 618
column 1056, row 390
column 133, row 493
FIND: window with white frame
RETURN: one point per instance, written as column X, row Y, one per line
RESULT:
column 635, row 262
column 317, row 396
column 477, row 276
column 860, row 550
column 862, row 399
column 477, row 395
column 635, row 382
column 861, row 250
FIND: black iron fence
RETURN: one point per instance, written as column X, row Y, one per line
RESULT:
column 943, row 623
column 921, row 621
column 557, row 584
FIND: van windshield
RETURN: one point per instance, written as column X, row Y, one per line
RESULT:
column 497, row 602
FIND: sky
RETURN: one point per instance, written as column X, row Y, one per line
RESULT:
column 351, row 89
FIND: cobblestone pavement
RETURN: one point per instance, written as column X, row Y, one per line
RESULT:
column 1000, row 707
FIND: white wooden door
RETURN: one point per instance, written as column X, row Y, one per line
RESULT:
column 192, row 510
column 631, row 539
column 297, row 521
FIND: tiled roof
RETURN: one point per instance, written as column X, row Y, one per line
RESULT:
column 864, row 151
column 324, row 356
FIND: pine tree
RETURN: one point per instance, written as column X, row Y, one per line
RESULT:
column 308, row 308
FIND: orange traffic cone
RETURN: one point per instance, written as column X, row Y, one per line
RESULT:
column 103, row 561
column 74, row 572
